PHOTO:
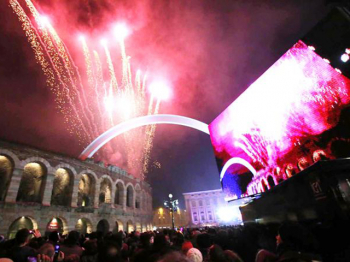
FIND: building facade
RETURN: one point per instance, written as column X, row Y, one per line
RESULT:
column 46, row 191
column 162, row 218
column 209, row 208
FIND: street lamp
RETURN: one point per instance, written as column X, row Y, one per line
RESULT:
column 172, row 205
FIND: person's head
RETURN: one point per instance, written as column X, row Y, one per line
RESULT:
column 178, row 239
column 186, row 246
column 216, row 254
column 53, row 236
column 291, row 234
column 160, row 242
column 22, row 236
column 90, row 247
column 109, row 252
column 145, row 239
column 73, row 237
column 232, row 256
column 194, row 255
column 204, row 240
column 173, row 257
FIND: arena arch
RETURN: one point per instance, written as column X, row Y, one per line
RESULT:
column 83, row 226
column 103, row 226
column 130, row 192
column 105, row 193
column 129, row 226
column 40, row 160
column 138, row 227
column 6, row 171
column 86, row 190
column 119, row 193
column 32, row 184
column 118, row 225
column 138, row 196
column 15, row 160
column 20, row 223
column 58, row 224
column 62, row 189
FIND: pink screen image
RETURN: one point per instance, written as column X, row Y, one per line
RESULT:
column 294, row 115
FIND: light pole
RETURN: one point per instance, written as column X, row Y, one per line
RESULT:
column 172, row 205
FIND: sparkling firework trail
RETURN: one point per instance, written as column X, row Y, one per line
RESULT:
column 102, row 102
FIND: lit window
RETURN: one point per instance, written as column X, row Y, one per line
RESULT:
column 195, row 216
column 193, row 203
column 210, row 216
column 200, row 203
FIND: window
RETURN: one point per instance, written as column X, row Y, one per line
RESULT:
column 195, row 216
column 193, row 203
column 200, row 203
column 210, row 217
column 202, row 216
column 207, row 201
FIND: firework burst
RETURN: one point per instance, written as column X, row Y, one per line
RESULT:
column 93, row 102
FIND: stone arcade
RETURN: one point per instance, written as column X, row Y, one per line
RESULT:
column 46, row 191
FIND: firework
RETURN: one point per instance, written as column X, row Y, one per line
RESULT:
column 93, row 102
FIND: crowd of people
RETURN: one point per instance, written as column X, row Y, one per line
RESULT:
column 288, row 242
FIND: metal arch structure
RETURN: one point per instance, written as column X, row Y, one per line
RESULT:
column 237, row 160
column 123, row 127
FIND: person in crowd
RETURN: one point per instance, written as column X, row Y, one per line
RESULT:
column 204, row 242
column 48, row 248
column 71, row 246
column 186, row 246
column 90, row 251
column 194, row 255
column 232, row 256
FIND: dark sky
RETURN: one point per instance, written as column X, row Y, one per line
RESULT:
column 210, row 51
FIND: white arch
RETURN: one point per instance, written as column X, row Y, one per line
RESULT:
column 236, row 160
column 138, row 122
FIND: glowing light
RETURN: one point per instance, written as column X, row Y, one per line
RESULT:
column 44, row 20
column 109, row 103
column 347, row 50
column 227, row 214
column 338, row 70
column 103, row 42
column 326, row 60
column 123, row 127
column 160, row 90
column 170, row 195
column 121, row 31
column 81, row 38
column 345, row 57
column 311, row 48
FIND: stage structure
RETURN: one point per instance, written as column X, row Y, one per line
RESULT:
column 294, row 115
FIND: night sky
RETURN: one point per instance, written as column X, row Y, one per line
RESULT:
column 210, row 51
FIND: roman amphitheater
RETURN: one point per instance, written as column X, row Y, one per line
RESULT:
column 46, row 191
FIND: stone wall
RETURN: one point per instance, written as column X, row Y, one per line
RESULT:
column 40, row 186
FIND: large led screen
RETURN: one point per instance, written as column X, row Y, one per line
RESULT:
column 295, row 114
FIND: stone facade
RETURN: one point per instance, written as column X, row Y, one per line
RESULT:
column 162, row 218
column 44, row 191
column 209, row 208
